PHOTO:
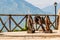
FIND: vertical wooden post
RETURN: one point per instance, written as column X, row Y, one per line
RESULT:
column 36, row 27
column 10, row 22
column 59, row 20
column 26, row 22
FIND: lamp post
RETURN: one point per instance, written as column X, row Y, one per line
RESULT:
column 55, row 5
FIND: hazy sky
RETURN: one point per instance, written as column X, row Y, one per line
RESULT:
column 42, row 3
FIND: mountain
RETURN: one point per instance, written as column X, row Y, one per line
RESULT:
column 18, row 6
column 51, row 9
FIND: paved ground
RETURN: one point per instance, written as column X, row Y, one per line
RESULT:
column 24, row 33
column 29, row 36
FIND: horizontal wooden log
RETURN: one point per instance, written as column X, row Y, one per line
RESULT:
column 27, row 14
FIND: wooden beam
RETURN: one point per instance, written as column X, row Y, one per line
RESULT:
column 27, row 14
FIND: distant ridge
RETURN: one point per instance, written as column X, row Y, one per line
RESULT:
column 18, row 6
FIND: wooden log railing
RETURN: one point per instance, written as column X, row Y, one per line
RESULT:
column 10, row 19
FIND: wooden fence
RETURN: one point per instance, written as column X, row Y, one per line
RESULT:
column 11, row 19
